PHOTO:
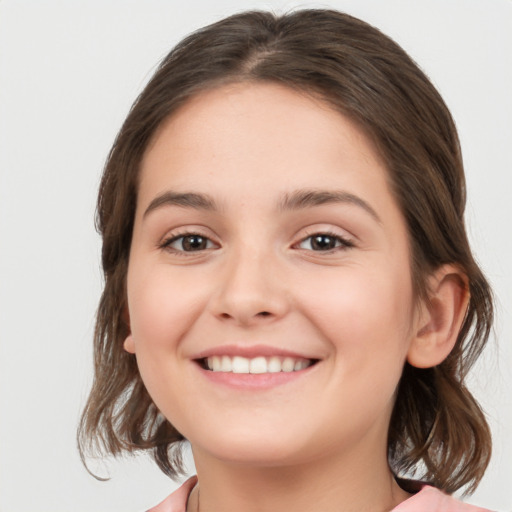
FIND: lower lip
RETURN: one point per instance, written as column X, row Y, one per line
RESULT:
column 255, row 381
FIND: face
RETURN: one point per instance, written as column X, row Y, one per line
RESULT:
column 269, row 291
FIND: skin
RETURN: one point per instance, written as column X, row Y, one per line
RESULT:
column 317, row 442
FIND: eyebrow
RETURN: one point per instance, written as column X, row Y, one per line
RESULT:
column 301, row 199
column 186, row 200
column 297, row 200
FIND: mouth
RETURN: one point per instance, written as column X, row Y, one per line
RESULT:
column 255, row 365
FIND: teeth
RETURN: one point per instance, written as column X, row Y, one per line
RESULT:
column 260, row 364
column 300, row 365
column 274, row 365
column 288, row 364
column 226, row 365
column 240, row 364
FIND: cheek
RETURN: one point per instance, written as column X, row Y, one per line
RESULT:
column 162, row 305
column 362, row 311
column 162, row 309
column 366, row 319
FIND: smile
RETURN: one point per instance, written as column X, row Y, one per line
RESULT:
column 256, row 365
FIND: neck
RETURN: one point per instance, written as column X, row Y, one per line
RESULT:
column 355, row 482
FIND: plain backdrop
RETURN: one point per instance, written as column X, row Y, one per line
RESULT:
column 69, row 71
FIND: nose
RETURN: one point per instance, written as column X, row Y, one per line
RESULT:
column 251, row 290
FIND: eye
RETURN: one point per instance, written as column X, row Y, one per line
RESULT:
column 190, row 242
column 324, row 242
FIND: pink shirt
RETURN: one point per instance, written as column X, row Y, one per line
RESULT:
column 428, row 499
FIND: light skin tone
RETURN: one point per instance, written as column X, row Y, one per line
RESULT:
column 265, row 226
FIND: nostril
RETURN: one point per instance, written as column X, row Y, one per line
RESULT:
column 263, row 313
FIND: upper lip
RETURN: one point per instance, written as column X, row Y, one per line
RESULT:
column 249, row 351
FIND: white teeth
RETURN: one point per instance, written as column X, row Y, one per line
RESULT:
column 274, row 365
column 288, row 364
column 240, row 364
column 216, row 364
column 226, row 365
column 300, row 365
column 257, row 365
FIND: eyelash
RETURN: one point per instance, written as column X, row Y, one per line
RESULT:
column 166, row 244
column 341, row 242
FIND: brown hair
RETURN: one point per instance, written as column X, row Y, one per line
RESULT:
column 437, row 430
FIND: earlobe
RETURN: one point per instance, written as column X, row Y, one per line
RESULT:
column 129, row 344
column 441, row 318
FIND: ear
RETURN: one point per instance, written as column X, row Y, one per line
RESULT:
column 129, row 343
column 440, row 319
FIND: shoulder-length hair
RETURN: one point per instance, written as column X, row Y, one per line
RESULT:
column 437, row 429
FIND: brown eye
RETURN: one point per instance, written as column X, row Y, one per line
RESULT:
column 324, row 242
column 194, row 243
column 189, row 243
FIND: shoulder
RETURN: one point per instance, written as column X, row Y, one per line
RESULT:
column 430, row 499
column 177, row 501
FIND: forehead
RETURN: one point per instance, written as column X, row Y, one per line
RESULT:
column 257, row 129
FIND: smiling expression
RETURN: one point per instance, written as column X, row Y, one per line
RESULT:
column 269, row 288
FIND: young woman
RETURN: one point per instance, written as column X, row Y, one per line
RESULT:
column 288, row 282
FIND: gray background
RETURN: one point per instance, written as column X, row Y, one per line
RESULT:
column 69, row 71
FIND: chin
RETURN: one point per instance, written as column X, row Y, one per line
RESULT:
column 254, row 449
